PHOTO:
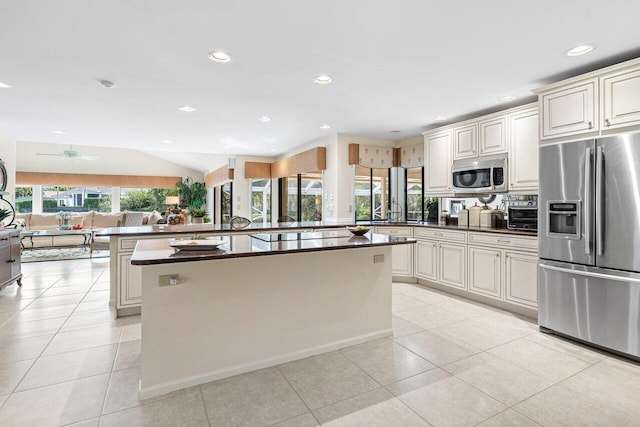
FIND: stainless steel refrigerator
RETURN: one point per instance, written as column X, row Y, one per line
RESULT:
column 589, row 241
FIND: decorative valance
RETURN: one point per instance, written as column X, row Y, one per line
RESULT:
column 257, row 170
column 374, row 157
column 412, row 156
column 217, row 177
column 79, row 179
column 313, row 160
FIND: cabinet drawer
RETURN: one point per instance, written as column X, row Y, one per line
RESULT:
column 504, row 241
column 439, row 234
column 395, row 231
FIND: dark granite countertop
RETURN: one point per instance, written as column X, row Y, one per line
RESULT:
column 159, row 251
column 271, row 227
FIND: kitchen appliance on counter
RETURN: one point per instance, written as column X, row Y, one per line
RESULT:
column 589, row 269
column 522, row 212
column 480, row 175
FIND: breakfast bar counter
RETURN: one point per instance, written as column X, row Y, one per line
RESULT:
column 257, row 301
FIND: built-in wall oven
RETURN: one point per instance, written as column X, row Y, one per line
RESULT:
column 522, row 212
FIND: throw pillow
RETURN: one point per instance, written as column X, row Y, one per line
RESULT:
column 155, row 217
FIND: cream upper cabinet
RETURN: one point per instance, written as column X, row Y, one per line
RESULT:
column 437, row 148
column 570, row 110
column 493, row 135
column 621, row 99
column 523, row 150
column 465, row 141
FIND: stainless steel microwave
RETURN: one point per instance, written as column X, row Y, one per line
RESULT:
column 485, row 174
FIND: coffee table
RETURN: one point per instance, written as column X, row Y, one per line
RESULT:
column 30, row 234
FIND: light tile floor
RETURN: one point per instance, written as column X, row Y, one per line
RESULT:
column 64, row 360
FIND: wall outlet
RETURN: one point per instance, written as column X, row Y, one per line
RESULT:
column 377, row 259
column 168, row 280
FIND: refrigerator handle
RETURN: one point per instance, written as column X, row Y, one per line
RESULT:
column 587, row 202
column 599, row 200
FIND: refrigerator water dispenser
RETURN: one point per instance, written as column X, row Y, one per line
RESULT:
column 564, row 219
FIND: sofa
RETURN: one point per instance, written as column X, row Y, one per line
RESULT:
column 91, row 220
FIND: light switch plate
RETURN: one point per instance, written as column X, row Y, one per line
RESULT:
column 168, row 280
column 377, row 259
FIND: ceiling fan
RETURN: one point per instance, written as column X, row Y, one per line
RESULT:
column 71, row 154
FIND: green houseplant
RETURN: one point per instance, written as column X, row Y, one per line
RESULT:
column 192, row 193
column 197, row 215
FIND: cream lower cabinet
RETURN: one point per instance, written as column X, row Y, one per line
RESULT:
column 441, row 256
column 521, row 278
column 510, row 273
column 401, row 255
column 485, row 271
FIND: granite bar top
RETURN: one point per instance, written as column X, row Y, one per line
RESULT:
column 159, row 251
column 271, row 227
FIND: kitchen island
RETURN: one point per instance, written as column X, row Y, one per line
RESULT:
column 257, row 301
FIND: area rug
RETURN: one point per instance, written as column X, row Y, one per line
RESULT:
column 59, row 254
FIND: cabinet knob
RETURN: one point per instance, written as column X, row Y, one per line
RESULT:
column 590, row 125
column 4, row 239
column 607, row 122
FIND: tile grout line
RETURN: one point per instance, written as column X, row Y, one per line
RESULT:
column 297, row 394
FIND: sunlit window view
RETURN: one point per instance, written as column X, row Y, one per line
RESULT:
column 145, row 199
column 415, row 197
column 261, row 200
column 76, row 199
column 24, row 199
column 371, row 193
column 303, row 195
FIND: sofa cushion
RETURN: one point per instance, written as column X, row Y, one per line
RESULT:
column 133, row 219
column 43, row 222
column 23, row 219
column 104, row 220
column 155, row 217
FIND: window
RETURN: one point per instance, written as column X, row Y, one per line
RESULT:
column 76, row 199
column 415, row 196
column 226, row 199
column 145, row 199
column 371, row 193
column 24, row 199
column 303, row 196
column 261, row 200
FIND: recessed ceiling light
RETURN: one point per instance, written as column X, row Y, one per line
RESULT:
column 273, row 150
column 5, row 85
column 325, row 126
column 579, row 50
column 227, row 146
column 186, row 108
column 508, row 98
column 166, row 141
column 219, row 56
column 59, row 132
column 439, row 119
column 265, row 119
column 395, row 131
column 322, row 79
column 107, row 83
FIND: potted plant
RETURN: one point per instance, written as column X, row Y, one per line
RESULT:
column 197, row 215
column 192, row 194
column 4, row 214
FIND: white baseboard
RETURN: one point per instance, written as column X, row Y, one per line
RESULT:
column 168, row 387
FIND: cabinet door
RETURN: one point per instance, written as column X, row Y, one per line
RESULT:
column 484, row 271
column 426, row 260
column 521, row 278
column 621, row 99
column 452, row 265
column 15, row 255
column 130, row 284
column 402, row 260
column 523, row 150
column 570, row 111
column 465, row 142
column 438, row 156
column 493, row 136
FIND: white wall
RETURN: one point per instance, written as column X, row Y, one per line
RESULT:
column 111, row 161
